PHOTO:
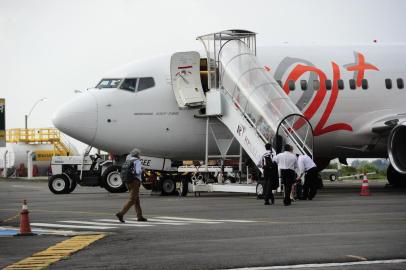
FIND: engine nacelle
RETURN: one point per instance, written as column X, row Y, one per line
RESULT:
column 397, row 147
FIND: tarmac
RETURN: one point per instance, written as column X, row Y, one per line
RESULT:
column 339, row 229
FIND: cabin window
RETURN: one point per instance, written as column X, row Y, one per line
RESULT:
column 108, row 83
column 280, row 83
column 316, row 84
column 129, row 84
column 400, row 83
column 388, row 83
column 145, row 83
column 303, row 84
column 291, row 85
column 364, row 84
column 328, row 84
column 352, row 84
column 340, row 84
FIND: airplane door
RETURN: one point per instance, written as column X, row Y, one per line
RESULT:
column 185, row 77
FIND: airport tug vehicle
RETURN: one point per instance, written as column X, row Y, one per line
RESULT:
column 85, row 170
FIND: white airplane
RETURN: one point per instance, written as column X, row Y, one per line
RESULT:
column 354, row 97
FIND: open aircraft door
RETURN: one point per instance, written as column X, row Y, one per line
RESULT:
column 185, row 77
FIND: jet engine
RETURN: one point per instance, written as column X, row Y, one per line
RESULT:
column 397, row 147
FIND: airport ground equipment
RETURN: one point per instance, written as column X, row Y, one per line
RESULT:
column 43, row 143
column 331, row 174
column 85, row 170
column 240, row 94
column 97, row 170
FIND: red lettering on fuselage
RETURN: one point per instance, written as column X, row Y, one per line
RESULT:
column 359, row 67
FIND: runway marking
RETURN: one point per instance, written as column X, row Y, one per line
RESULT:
column 105, row 224
column 43, row 259
column 193, row 220
column 357, row 257
column 322, row 265
column 53, row 225
column 149, row 222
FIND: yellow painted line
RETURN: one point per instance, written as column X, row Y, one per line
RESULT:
column 43, row 259
column 10, row 218
column 358, row 257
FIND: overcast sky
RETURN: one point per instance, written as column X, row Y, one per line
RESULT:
column 49, row 48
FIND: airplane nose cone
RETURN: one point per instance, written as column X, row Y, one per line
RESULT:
column 78, row 118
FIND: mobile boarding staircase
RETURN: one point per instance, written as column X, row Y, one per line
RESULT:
column 243, row 96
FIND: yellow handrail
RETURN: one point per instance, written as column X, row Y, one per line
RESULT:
column 38, row 136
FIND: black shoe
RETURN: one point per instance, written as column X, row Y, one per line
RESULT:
column 120, row 217
column 266, row 203
column 141, row 219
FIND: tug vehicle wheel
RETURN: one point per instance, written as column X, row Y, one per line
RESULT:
column 59, row 184
column 111, row 180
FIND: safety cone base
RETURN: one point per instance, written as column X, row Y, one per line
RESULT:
column 25, row 234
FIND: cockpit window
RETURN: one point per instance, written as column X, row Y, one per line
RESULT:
column 129, row 84
column 145, row 83
column 108, row 83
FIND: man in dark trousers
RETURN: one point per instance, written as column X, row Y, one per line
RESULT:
column 133, row 184
column 287, row 163
column 271, row 177
column 309, row 169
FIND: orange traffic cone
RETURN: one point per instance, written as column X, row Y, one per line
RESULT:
column 365, row 187
column 25, row 227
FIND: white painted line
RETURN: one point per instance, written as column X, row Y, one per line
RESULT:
column 142, row 223
column 104, row 224
column 197, row 219
column 193, row 220
column 321, row 265
column 357, row 257
column 51, row 225
column 161, row 220
column 236, row 220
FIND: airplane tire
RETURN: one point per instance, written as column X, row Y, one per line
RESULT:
column 184, row 187
column 111, row 180
column 59, row 184
column 168, row 186
column 260, row 190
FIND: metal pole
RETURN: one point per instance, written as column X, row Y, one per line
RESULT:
column 5, row 163
column 206, row 159
column 240, row 161
column 26, row 121
column 29, row 165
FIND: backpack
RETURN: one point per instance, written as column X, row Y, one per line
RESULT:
column 127, row 171
column 268, row 163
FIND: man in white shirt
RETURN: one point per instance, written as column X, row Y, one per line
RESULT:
column 271, row 177
column 287, row 163
column 309, row 169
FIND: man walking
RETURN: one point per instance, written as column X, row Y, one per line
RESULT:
column 271, row 177
column 309, row 169
column 287, row 163
column 131, row 174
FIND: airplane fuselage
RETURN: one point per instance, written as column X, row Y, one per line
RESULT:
column 342, row 119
